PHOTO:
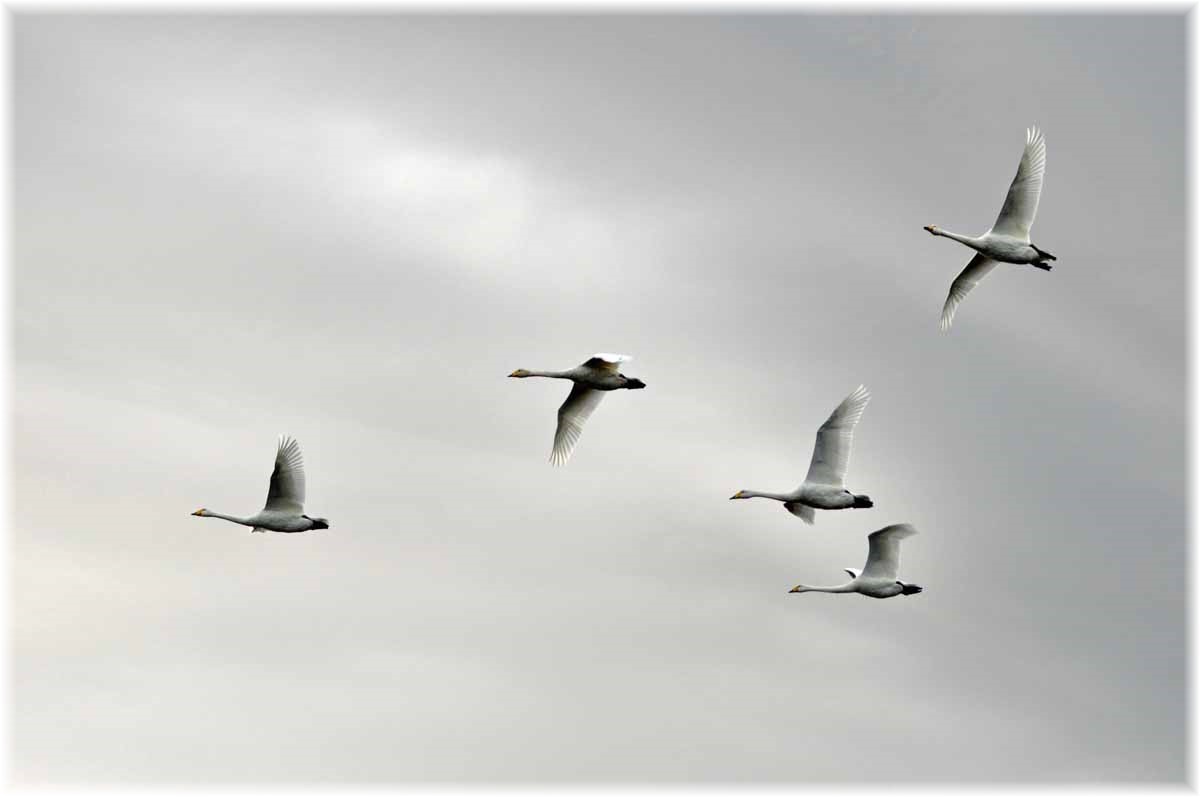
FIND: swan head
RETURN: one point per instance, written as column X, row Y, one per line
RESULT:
column 932, row 230
column 799, row 588
column 520, row 373
column 634, row 384
column 739, row 494
column 200, row 512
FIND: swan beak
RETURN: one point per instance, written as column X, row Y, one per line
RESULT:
column 199, row 512
column 515, row 373
column 738, row 494
column 929, row 229
column 794, row 589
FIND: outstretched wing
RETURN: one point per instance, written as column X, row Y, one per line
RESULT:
column 805, row 513
column 1021, row 204
column 831, row 455
column 286, row 493
column 606, row 362
column 977, row 269
column 883, row 558
column 572, row 415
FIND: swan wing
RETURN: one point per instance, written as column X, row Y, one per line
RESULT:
column 883, row 558
column 964, row 283
column 805, row 513
column 853, row 571
column 831, row 455
column 572, row 415
column 286, row 493
column 604, row 361
column 1021, row 204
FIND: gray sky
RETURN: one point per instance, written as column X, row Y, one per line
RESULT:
column 352, row 228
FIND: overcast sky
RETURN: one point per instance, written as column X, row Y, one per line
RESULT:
column 350, row 229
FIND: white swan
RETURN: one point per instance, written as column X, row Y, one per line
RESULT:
column 285, row 497
column 824, row 487
column 599, row 373
column 1008, row 240
column 877, row 579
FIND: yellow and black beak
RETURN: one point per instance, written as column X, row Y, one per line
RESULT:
column 199, row 512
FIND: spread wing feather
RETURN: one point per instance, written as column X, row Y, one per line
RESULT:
column 883, row 558
column 1021, row 204
column 964, row 283
column 572, row 415
column 286, row 492
column 831, row 455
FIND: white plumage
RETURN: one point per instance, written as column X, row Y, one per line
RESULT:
column 825, row 485
column 1008, row 240
column 596, row 375
column 879, row 577
column 284, row 510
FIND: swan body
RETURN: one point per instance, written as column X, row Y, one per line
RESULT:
column 284, row 510
column 598, row 374
column 824, row 486
column 878, row 578
column 1008, row 239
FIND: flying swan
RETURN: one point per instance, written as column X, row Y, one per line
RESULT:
column 877, row 579
column 598, row 374
column 284, row 511
column 824, row 487
column 1008, row 240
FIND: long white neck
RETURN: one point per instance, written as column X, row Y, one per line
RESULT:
column 231, row 518
column 847, row 587
column 962, row 239
column 772, row 496
column 551, row 374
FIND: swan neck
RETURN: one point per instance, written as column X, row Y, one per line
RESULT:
column 962, row 239
column 773, row 496
column 230, row 518
column 551, row 374
column 838, row 588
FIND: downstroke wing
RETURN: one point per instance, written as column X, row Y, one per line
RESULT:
column 964, row 283
column 572, row 415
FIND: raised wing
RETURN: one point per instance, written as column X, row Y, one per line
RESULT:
column 1021, row 204
column 883, row 558
column 831, row 455
column 607, row 362
column 977, row 269
column 286, row 493
column 572, row 415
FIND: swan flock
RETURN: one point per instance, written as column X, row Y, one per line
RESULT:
column 824, row 486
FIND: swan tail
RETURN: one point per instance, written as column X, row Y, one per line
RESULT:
column 863, row 502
